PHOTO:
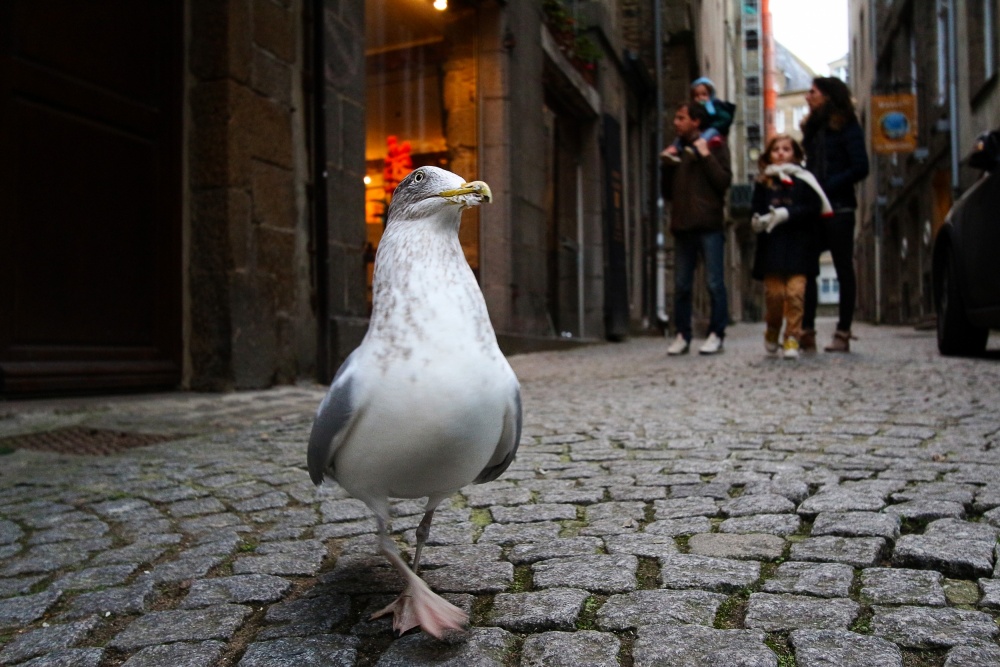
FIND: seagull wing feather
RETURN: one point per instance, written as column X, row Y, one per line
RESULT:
column 509, row 440
column 332, row 421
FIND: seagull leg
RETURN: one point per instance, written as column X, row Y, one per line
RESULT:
column 418, row 604
column 423, row 530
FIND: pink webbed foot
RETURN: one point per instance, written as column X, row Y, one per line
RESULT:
column 418, row 605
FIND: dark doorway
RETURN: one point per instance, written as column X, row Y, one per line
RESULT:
column 90, row 194
column 564, row 211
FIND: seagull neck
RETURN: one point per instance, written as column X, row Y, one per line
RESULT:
column 434, row 237
column 422, row 269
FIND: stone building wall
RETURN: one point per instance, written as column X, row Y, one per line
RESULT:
column 247, row 292
column 512, row 229
column 462, row 128
column 275, row 234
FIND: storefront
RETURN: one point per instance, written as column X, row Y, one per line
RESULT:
column 248, row 181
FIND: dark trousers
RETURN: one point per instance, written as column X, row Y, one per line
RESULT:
column 687, row 247
column 837, row 236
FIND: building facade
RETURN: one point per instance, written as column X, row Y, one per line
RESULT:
column 941, row 58
column 792, row 79
column 194, row 192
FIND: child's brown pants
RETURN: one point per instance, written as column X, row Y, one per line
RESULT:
column 784, row 298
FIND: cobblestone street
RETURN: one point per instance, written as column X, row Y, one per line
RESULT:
column 688, row 512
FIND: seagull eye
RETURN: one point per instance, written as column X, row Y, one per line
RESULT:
column 417, row 177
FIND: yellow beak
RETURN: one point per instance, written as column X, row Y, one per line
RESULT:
column 478, row 188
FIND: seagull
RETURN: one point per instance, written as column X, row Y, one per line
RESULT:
column 427, row 403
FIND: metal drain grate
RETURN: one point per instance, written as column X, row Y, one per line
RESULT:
column 82, row 440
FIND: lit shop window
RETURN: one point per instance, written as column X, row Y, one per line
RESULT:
column 421, row 80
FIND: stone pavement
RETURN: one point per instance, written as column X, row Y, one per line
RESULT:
column 692, row 511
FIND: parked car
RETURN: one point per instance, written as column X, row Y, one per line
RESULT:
column 967, row 259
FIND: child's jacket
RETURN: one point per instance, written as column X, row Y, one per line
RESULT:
column 720, row 112
column 791, row 248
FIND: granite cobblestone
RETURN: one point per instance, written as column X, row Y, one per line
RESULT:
column 654, row 515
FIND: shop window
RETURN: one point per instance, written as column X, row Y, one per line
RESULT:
column 420, row 105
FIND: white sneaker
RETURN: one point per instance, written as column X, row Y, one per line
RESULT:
column 771, row 345
column 713, row 345
column 679, row 346
column 791, row 349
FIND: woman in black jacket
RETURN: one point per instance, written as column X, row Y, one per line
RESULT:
column 835, row 154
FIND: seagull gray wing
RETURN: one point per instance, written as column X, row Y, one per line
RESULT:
column 509, row 440
column 332, row 420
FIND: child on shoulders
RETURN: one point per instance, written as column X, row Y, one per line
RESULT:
column 720, row 114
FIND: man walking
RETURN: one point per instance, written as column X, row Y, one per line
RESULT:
column 696, row 185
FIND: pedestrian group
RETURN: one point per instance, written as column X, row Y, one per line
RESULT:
column 803, row 204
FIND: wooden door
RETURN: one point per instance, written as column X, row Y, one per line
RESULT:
column 90, row 197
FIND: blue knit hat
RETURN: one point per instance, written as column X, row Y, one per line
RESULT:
column 705, row 81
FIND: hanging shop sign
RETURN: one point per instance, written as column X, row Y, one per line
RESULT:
column 894, row 123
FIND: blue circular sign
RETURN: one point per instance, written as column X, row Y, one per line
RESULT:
column 895, row 125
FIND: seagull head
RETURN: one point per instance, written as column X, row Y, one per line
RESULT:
column 427, row 191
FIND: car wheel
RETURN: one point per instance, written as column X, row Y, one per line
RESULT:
column 956, row 336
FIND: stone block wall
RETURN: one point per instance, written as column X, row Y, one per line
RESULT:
column 497, row 62
column 462, row 130
column 514, row 278
column 247, row 229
